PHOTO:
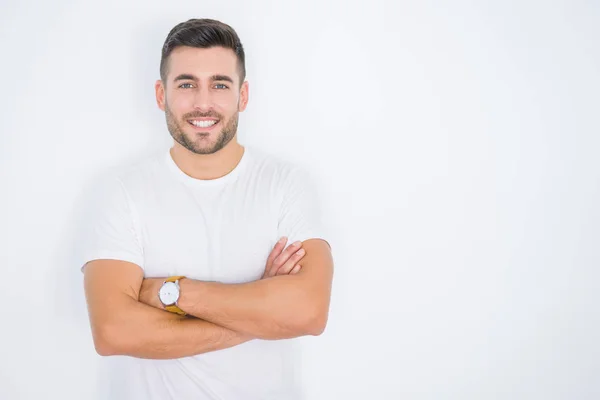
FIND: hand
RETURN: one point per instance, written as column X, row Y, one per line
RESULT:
column 149, row 292
column 282, row 262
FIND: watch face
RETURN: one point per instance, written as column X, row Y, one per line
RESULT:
column 168, row 293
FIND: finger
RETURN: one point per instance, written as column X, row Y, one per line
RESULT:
column 277, row 249
column 284, row 257
column 291, row 263
column 286, row 254
column 296, row 269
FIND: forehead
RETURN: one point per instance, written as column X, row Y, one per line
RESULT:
column 202, row 62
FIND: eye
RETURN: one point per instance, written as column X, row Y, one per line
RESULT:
column 221, row 86
column 186, row 86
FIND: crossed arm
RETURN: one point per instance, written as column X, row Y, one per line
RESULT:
column 127, row 319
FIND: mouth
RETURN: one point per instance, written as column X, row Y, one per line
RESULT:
column 203, row 124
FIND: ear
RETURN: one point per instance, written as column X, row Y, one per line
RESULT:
column 243, row 97
column 160, row 94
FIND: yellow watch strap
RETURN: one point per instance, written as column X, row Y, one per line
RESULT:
column 174, row 309
column 174, row 278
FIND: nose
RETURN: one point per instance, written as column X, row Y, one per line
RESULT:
column 202, row 99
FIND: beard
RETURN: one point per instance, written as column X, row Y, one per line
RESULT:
column 196, row 143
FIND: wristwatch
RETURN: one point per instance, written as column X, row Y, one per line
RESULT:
column 168, row 294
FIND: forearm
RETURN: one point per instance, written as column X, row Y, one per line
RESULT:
column 275, row 308
column 145, row 332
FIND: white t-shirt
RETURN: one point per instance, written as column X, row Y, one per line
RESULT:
column 168, row 223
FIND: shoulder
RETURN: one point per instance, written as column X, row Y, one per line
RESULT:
column 130, row 177
column 275, row 166
column 283, row 179
column 142, row 173
column 144, row 167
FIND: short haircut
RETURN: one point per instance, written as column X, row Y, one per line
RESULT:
column 203, row 33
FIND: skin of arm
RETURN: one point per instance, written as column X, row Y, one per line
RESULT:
column 121, row 325
column 279, row 307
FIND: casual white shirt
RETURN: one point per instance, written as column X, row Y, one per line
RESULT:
column 154, row 215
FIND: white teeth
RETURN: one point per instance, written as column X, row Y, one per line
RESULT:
column 203, row 124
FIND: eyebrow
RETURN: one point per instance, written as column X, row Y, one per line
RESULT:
column 189, row 77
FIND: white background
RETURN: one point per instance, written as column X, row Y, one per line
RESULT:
column 456, row 146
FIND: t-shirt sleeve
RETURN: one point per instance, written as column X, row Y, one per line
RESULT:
column 109, row 226
column 300, row 213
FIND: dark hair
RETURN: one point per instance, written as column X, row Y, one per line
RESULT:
column 203, row 33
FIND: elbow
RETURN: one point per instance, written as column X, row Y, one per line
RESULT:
column 103, row 349
column 315, row 322
column 317, row 327
column 300, row 322
column 107, row 341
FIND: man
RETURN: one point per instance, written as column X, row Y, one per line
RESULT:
column 184, row 271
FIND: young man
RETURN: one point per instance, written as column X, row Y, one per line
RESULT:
column 184, row 271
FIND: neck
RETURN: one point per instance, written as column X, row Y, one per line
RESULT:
column 208, row 166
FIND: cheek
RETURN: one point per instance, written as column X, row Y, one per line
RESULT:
column 180, row 102
column 227, row 103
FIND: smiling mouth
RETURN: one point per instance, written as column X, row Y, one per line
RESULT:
column 203, row 123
